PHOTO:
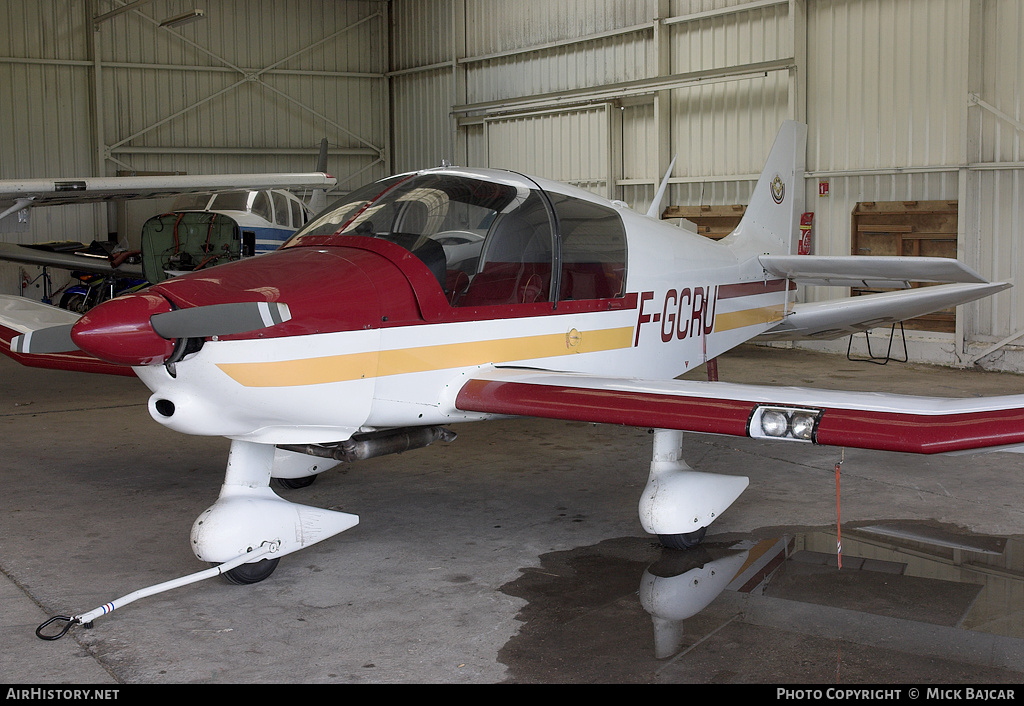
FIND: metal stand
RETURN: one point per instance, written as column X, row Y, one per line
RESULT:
column 879, row 360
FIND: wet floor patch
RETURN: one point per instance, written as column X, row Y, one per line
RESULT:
column 889, row 603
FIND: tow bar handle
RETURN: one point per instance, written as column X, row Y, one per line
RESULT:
column 70, row 622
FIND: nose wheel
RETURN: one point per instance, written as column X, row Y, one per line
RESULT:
column 687, row 540
column 250, row 573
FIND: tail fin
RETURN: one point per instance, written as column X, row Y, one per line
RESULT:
column 771, row 224
column 318, row 201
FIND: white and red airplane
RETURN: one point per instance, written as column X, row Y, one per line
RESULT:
column 455, row 295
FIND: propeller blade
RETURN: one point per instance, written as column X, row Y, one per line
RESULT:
column 219, row 319
column 52, row 339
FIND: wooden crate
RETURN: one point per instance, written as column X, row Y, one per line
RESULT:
column 714, row 222
column 912, row 229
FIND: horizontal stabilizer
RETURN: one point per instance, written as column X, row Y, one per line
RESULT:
column 867, row 271
column 841, row 317
column 867, row 420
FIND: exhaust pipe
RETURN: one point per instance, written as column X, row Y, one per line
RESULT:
column 379, row 443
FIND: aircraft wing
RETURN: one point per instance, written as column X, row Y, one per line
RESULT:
column 16, row 194
column 21, row 315
column 880, row 421
column 38, row 254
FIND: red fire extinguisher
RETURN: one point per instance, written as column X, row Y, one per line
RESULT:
column 804, row 247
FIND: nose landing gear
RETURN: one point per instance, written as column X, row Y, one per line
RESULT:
column 248, row 513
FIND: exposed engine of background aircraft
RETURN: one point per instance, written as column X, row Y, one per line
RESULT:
column 456, row 295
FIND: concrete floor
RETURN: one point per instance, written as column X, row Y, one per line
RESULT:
column 514, row 553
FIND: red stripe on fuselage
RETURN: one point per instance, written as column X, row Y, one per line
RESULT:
column 749, row 289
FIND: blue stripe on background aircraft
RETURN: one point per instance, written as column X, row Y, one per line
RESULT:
column 453, row 295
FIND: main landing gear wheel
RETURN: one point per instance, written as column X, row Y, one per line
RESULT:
column 246, row 574
column 296, row 483
column 687, row 540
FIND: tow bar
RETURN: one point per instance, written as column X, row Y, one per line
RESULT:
column 87, row 619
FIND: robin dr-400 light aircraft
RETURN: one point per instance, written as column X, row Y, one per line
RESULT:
column 455, row 295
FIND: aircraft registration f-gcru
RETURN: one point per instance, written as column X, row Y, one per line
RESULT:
column 454, row 295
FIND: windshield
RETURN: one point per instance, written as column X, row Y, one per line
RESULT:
column 487, row 241
column 191, row 202
column 444, row 219
column 335, row 217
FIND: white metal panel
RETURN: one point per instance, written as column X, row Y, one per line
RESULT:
column 884, row 83
column 569, row 147
column 995, row 186
column 253, row 86
column 884, row 106
column 726, row 129
column 610, row 60
column 495, row 26
column 250, row 75
column 45, row 129
column 995, row 246
column 422, row 125
column 760, row 32
column 425, row 31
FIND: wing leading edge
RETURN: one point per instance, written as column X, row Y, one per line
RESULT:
column 16, row 194
column 879, row 421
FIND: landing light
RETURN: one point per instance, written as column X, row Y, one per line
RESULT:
column 788, row 423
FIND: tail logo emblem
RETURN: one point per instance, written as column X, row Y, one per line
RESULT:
column 778, row 189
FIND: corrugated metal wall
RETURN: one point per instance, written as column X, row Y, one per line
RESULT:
column 604, row 93
column 905, row 100
column 46, row 130
column 252, row 87
column 994, row 183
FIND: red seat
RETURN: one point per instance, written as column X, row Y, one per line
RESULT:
column 508, row 283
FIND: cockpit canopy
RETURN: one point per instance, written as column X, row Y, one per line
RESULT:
column 489, row 239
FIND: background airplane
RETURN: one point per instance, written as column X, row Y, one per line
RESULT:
column 214, row 219
column 455, row 295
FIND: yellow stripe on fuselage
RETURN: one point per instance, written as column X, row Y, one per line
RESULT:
column 356, row 366
column 749, row 317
